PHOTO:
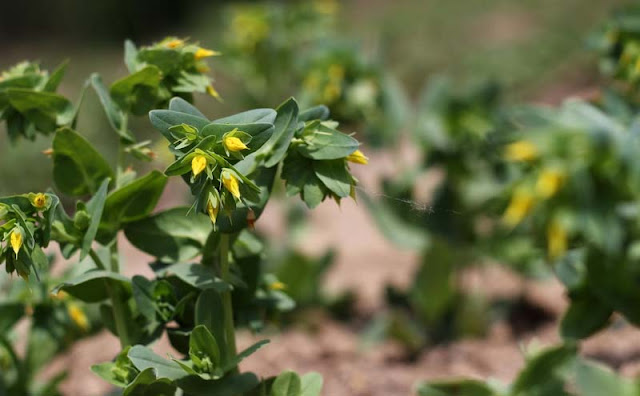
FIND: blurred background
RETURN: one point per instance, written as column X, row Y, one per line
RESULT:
column 536, row 48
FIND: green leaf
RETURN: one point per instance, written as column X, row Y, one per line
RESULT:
column 285, row 126
column 94, row 208
column 56, row 77
column 334, row 175
column 586, row 315
column 543, row 370
column 326, row 144
column 130, row 55
column 78, row 169
column 287, row 384
column 593, row 379
column 320, row 112
column 235, row 361
column 210, row 313
column 455, row 388
column 182, row 106
column 162, row 120
column 144, row 358
column 197, row 275
column 260, row 132
column 170, row 236
column 46, row 110
column 146, row 384
column 230, row 385
column 311, row 384
column 259, row 116
column 137, row 92
column 203, row 344
column 130, row 203
column 10, row 314
column 116, row 117
column 93, row 286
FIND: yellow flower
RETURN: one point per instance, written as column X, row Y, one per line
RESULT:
column 233, row 143
column 231, row 183
column 277, row 285
column 78, row 316
column 331, row 92
column 16, row 240
column 327, row 7
column 212, row 92
column 39, row 201
column 358, row 158
column 557, row 240
column 213, row 211
column 519, row 207
column 198, row 164
column 202, row 53
column 521, row 151
column 549, row 182
column 174, row 43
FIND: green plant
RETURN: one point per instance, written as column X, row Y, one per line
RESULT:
column 209, row 275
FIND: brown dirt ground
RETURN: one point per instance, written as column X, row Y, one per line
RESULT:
column 365, row 263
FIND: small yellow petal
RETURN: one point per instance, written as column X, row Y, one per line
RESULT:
column 198, row 164
column 557, row 240
column 521, row 151
column 213, row 211
column 212, row 92
column 520, row 206
column 78, row 316
column 174, row 43
column 16, row 241
column 231, row 183
column 357, row 157
column 549, row 182
column 277, row 286
column 233, row 143
column 202, row 53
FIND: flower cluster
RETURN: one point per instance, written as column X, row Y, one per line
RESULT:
column 28, row 102
column 25, row 224
column 171, row 67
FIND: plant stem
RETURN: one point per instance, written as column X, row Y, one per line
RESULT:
column 97, row 260
column 20, row 369
column 226, row 296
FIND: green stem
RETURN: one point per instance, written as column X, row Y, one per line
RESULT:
column 20, row 369
column 97, row 260
column 226, row 296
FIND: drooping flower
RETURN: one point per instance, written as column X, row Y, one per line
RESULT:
column 198, row 164
column 230, row 182
column 358, row 157
column 202, row 53
column 212, row 211
column 549, row 182
column 522, row 150
column 520, row 206
column 16, row 240
column 78, row 316
column 234, row 144
column 212, row 92
column 277, row 285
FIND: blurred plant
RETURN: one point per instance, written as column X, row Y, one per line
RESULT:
column 230, row 165
column 282, row 47
column 555, row 371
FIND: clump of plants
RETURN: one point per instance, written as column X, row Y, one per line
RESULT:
column 209, row 274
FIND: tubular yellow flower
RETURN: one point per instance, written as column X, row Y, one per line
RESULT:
column 174, row 43
column 39, row 201
column 202, row 53
column 233, row 143
column 557, row 240
column 336, row 72
column 212, row 92
column 231, row 183
column 549, row 182
column 519, row 207
column 78, row 316
column 521, row 151
column 198, row 164
column 213, row 211
column 16, row 240
column 357, row 157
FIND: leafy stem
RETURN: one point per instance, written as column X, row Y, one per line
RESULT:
column 226, row 296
